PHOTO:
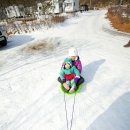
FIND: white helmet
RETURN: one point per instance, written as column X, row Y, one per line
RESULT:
column 73, row 52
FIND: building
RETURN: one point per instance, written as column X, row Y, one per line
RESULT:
column 15, row 11
column 71, row 6
column 57, row 6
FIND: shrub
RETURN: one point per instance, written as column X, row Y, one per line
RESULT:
column 119, row 21
column 58, row 19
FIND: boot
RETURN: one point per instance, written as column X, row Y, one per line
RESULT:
column 72, row 89
column 66, row 86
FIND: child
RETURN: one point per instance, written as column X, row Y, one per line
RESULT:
column 69, row 75
column 73, row 55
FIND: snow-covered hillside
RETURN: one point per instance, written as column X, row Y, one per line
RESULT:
column 30, row 95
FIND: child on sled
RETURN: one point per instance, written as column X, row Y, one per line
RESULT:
column 74, row 57
column 69, row 75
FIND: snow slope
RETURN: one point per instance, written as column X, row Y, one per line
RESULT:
column 30, row 96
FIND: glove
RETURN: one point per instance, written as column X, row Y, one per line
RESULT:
column 76, row 79
column 63, row 80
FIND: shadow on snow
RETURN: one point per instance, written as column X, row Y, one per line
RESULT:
column 116, row 117
column 17, row 40
column 90, row 70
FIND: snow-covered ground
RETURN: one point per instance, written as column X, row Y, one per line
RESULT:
column 30, row 96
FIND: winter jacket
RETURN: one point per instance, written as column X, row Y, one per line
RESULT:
column 77, row 64
column 69, row 74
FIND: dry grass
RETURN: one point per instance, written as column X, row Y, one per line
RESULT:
column 30, row 26
column 41, row 47
column 118, row 22
column 58, row 19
